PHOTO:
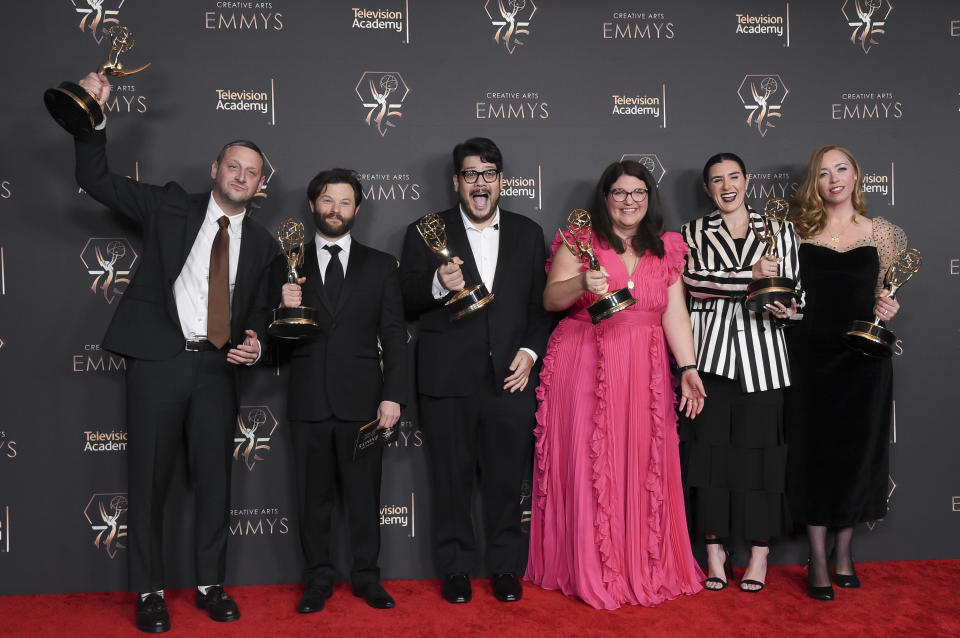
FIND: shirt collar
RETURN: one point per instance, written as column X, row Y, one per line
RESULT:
column 214, row 212
column 344, row 242
column 468, row 223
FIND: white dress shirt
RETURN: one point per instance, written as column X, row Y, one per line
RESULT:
column 485, row 246
column 323, row 255
column 190, row 288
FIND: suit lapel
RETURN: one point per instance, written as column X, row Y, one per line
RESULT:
column 192, row 227
column 355, row 263
column 245, row 265
column 722, row 242
column 460, row 246
column 505, row 252
column 753, row 245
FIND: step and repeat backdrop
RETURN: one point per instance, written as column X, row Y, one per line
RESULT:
column 388, row 87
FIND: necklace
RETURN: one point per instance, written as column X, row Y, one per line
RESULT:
column 835, row 237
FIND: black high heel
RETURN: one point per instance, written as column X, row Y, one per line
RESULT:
column 749, row 581
column 847, row 581
column 727, row 567
column 818, row 593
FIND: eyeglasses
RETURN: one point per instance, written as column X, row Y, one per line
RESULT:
column 470, row 176
column 638, row 194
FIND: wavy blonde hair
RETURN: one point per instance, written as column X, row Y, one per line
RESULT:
column 807, row 210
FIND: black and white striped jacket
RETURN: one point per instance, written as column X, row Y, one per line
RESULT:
column 732, row 341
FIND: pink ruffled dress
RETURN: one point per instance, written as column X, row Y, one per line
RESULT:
column 608, row 522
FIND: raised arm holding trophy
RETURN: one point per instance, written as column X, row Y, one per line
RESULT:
column 76, row 109
column 187, row 324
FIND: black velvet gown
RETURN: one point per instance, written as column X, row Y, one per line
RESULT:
column 838, row 411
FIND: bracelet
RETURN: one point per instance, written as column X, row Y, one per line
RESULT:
column 683, row 369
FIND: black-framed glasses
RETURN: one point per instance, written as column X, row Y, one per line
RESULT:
column 470, row 176
column 638, row 194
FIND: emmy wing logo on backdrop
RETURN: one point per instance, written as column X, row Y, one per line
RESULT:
column 107, row 516
column 762, row 96
column 94, row 15
column 650, row 161
column 512, row 19
column 868, row 18
column 109, row 260
column 255, row 427
column 382, row 93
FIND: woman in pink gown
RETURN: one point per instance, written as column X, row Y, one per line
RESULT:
column 608, row 521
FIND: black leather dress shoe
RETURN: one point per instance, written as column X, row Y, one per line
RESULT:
column 456, row 588
column 314, row 599
column 218, row 604
column 375, row 595
column 507, row 588
column 152, row 616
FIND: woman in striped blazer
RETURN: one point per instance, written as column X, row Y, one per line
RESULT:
column 734, row 455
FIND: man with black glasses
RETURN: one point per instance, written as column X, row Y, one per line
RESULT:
column 476, row 376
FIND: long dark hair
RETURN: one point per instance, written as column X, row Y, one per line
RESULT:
column 651, row 226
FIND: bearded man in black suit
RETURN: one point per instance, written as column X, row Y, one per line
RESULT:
column 339, row 382
column 476, row 376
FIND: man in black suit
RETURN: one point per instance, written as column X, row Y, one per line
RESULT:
column 476, row 376
column 337, row 385
column 186, row 323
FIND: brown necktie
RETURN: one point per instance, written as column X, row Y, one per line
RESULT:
column 218, row 295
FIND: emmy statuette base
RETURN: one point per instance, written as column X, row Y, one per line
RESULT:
column 73, row 108
column 293, row 323
column 610, row 304
column 768, row 290
column 468, row 301
column 870, row 339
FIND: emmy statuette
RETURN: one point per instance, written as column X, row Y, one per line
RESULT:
column 466, row 300
column 299, row 321
column 871, row 337
column 580, row 228
column 72, row 106
column 768, row 290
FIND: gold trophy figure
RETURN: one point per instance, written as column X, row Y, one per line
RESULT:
column 299, row 321
column 871, row 337
column 580, row 227
column 769, row 290
column 468, row 299
column 72, row 106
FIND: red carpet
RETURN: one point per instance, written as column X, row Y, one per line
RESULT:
column 904, row 598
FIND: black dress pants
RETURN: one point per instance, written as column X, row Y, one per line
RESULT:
column 323, row 458
column 492, row 431
column 190, row 399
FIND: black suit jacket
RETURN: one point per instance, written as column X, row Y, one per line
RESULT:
column 337, row 372
column 454, row 356
column 145, row 324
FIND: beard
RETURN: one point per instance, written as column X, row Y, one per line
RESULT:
column 328, row 230
column 467, row 203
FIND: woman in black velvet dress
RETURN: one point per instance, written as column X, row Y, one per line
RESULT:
column 839, row 408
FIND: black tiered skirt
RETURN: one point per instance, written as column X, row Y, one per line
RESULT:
column 733, row 460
